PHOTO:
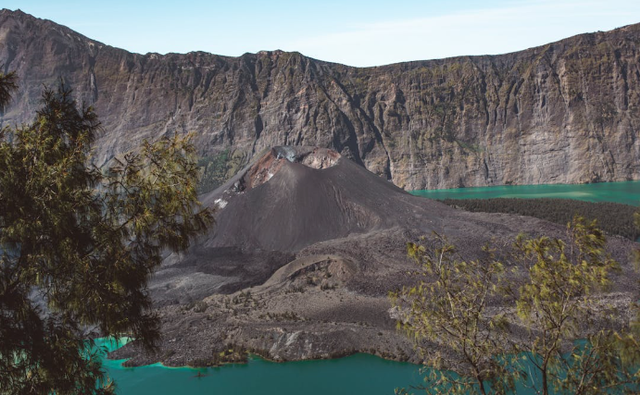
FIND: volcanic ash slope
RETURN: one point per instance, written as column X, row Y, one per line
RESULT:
column 306, row 247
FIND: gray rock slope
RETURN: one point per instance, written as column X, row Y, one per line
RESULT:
column 306, row 248
column 566, row 112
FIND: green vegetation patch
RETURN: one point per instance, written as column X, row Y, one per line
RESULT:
column 613, row 218
column 218, row 168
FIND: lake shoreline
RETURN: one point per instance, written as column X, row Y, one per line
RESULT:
column 359, row 372
column 626, row 192
column 264, row 355
column 329, row 302
column 285, row 318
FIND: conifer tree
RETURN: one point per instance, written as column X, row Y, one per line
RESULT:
column 78, row 243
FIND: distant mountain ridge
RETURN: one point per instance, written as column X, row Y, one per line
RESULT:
column 566, row 112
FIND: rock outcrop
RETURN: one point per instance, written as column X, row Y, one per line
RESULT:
column 566, row 112
column 306, row 248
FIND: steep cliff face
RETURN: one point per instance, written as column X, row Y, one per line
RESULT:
column 567, row 112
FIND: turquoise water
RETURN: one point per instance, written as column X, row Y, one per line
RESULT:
column 357, row 374
column 619, row 192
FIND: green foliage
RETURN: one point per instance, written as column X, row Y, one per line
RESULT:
column 7, row 85
column 556, row 304
column 472, row 147
column 216, row 169
column 78, row 243
column 448, row 308
column 613, row 218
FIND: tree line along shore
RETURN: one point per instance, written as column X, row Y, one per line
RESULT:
column 613, row 218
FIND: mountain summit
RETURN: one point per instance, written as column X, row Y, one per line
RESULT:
column 293, row 197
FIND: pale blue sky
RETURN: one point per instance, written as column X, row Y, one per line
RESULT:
column 358, row 33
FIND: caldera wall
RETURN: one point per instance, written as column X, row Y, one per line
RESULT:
column 567, row 112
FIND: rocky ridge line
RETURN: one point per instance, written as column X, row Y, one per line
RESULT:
column 566, row 112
